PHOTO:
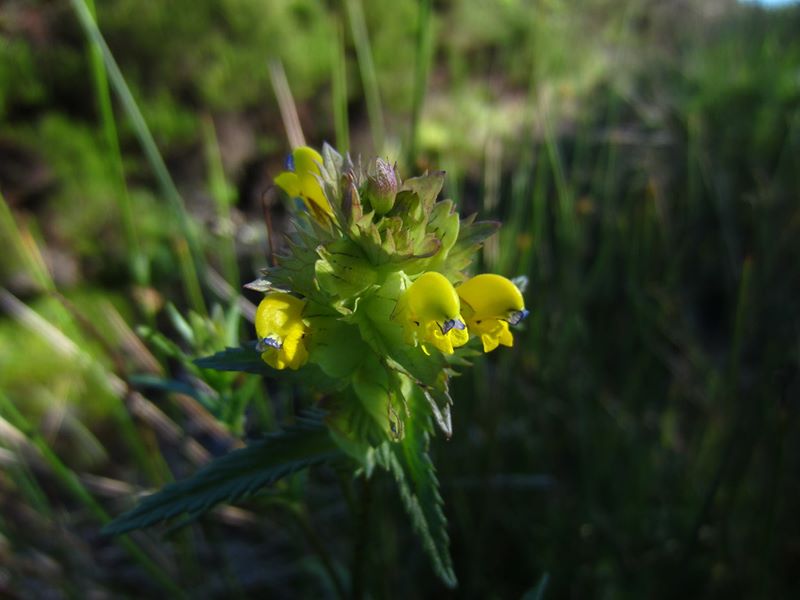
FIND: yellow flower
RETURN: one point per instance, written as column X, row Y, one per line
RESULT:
column 300, row 181
column 281, row 330
column 429, row 312
column 490, row 303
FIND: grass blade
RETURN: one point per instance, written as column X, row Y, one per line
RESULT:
column 366, row 66
column 141, row 130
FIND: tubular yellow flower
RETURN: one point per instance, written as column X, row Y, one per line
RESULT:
column 490, row 303
column 280, row 330
column 429, row 313
column 300, row 181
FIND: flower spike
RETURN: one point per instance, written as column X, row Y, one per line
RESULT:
column 490, row 303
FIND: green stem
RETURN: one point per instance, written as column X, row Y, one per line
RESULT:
column 301, row 520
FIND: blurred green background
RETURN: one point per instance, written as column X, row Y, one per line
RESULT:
column 639, row 440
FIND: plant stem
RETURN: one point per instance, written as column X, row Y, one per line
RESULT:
column 319, row 549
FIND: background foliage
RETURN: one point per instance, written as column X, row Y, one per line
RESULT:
column 641, row 438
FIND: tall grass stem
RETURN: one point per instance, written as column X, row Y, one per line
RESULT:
column 366, row 66
column 141, row 129
column 339, row 90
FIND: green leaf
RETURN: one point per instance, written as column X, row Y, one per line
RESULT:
column 473, row 233
column 471, row 236
column 247, row 360
column 444, row 224
column 234, row 476
column 378, row 390
column 342, row 270
column 419, row 491
column 427, row 187
column 355, row 431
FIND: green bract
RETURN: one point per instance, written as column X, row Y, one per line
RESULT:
column 373, row 263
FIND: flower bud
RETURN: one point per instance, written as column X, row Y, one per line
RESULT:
column 382, row 187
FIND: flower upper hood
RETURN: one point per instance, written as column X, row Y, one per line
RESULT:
column 490, row 303
column 301, row 181
column 429, row 311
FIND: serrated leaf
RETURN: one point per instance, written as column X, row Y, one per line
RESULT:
column 234, row 476
column 419, row 491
